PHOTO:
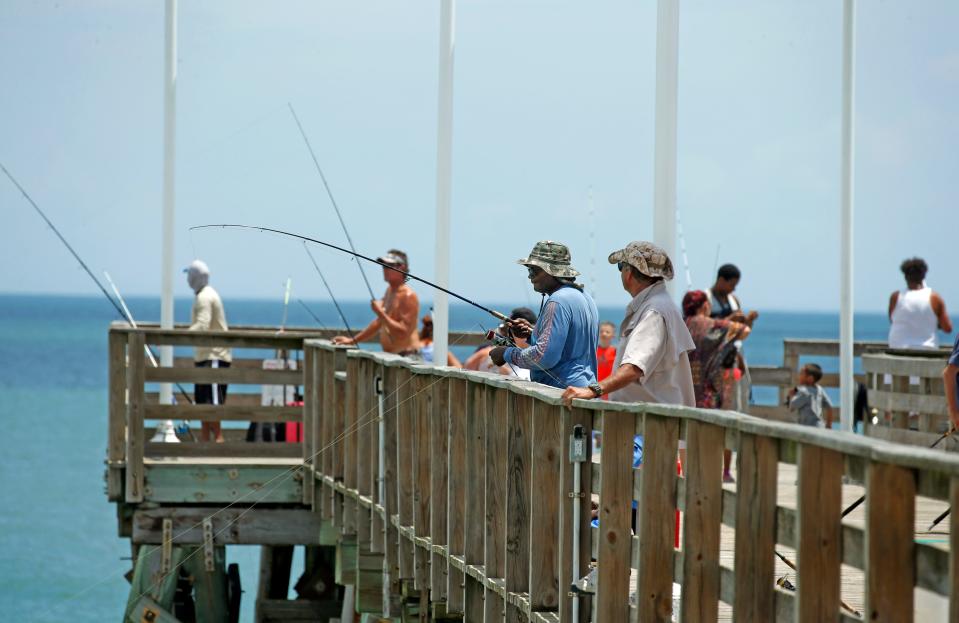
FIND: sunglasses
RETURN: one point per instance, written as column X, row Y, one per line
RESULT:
column 621, row 265
column 533, row 271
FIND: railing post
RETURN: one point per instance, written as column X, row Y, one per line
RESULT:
column 494, row 551
column 954, row 550
column 478, row 399
column 439, row 418
column 615, row 506
column 364, row 422
column 546, row 496
column 890, row 544
column 377, row 527
column 117, row 425
column 135, row 439
column 570, row 419
column 701, row 528
column 404, row 468
column 518, row 508
column 819, row 533
column 755, row 528
column 391, row 537
column 421, row 478
column 657, row 507
column 308, row 423
column 791, row 363
column 457, row 485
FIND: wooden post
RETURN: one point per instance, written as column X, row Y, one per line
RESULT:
column 404, row 467
column 615, row 510
column 378, row 526
column 890, row 530
column 117, row 415
column 477, row 416
column 390, row 486
column 571, row 418
column 657, row 508
column 755, row 529
column 900, row 385
column 519, row 450
column 456, row 492
column 701, row 528
column 439, row 420
column 363, row 422
column 421, row 478
column 546, row 494
column 350, row 442
column 135, row 440
column 309, row 399
column 328, row 419
column 790, row 362
column 820, row 533
column 494, row 552
column 954, row 548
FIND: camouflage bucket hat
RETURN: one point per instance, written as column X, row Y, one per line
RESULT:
column 553, row 257
column 646, row 257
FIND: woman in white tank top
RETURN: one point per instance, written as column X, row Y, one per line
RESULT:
column 917, row 312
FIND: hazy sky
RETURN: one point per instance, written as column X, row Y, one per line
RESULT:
column 551, row 98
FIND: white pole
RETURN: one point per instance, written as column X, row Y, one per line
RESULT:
column 846, row 379
column 664, row 165
column 592, row 245
column 169, row 199
column 444, row 149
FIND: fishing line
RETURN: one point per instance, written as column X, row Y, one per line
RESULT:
column 332, row 200
column 329, row 291
column 682, row 247
column 409, row 275
column 315, row 317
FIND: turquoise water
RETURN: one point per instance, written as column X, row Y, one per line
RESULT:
column 61, row 557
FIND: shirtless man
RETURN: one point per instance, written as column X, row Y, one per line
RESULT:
column 396, row 315
column 725, row 305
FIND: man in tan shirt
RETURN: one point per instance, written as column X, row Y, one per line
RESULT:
column 396, row 314
column 207, row 315
column 651, row 363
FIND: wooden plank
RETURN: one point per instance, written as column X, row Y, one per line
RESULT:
column 890, row 527
column 235, row 449
column 820, row 533
column 920, row 403
column 237, row 398
column 477, row 415
column 231, row 526
column 404, row 467
column 494, row 551
column 954, row 548
column 236, row 376
column 701, row 526
column 518, row 510
column 297, row 610
column 116, row 414
column 369, row 581
column 422, row 406
column 391, row 542
column 456, row 486
column 755, row 528
column 364, row 423
column 348, row 439
column 928, row 367
column 134, row 417
column 234, row 338
column 615, row 510
column 439, row 422
column 657, row 506
column 378, row 525
column 546, row 495
column 213, row 484
column 223, row 413
column 570, row 419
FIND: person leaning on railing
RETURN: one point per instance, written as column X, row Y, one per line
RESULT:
column 950, row 381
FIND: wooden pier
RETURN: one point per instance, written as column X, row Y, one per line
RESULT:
column 425, row 493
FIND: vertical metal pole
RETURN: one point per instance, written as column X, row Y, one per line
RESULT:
column 444, row 149
column 664, row 165
column 846, row 379
column 169, row 199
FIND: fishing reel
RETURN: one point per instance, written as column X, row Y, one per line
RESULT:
column 498, row 339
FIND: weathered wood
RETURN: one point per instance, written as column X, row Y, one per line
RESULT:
column 238, row 398
column 456, row 486
column 391, row 542
column 657, row 506
column 439, row 422
column 235, row 449
column 308, row 415
column 404, row 467
column 615, row 505
column 146, row 609
column 819, row 533
column 377, row 523
column 546, row 494
column 921, row 403
column 497, row 472
column 297, row 610
column 274, row 581
column 185, row 483
column 518, row 509
column 954, row 548
column 364, row 423
column 755, row 528
column 369, row 581
column 238, row 376
column 570, row 419
column 421, row 478
column 116, row 414
column 477, row 417
column 135, row 440
column 224, row 413
column 231, row 526
column 890, row 527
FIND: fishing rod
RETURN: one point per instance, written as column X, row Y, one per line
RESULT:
column 409, row 275
column 329, row 291
column 63, row 240
column 862, row 499
column 315, row 317
column 792, row 566
column 286, row 303
column 332, row 200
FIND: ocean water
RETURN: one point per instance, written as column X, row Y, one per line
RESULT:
column 60, row 556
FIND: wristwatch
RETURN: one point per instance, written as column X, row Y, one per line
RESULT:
column 597, row 389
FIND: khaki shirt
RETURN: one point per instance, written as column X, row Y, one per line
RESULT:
column 208, row 315
column 643, row 344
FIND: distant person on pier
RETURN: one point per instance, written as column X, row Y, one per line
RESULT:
column 809, row 400
column 950, row 380
column 916, row 313
column 207, row 314
column 605, row 352
column 480, row 360
column 714, row 361
column 652, row 361
column 426, row 344
column 722, row 301
column 562, row 350
column 396, row 314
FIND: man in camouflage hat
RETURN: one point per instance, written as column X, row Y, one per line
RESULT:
column 652, row 364
column 562, row 349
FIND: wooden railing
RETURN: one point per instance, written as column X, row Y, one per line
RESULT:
column 464, row 489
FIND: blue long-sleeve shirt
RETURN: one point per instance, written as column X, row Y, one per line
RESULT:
column 562, row 349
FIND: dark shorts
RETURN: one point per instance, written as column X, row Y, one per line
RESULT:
column 203, row 394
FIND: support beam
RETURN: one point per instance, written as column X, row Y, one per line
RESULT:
column 664, row 164
column 169, row 189
column 846, row 381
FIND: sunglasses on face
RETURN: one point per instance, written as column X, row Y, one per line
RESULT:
column 533, row 271
column 621, row 265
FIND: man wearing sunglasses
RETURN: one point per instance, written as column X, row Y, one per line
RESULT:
column 562, row 349
column 651, row 364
